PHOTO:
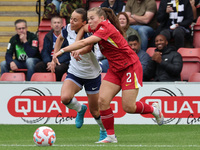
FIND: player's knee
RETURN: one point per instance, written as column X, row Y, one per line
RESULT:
column 66, row 99
column 129, row 108
column 95, row 113
column 103, row 103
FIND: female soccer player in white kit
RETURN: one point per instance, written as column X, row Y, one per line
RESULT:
column 85, row 72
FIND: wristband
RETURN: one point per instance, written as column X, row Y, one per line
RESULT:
column 62, row 51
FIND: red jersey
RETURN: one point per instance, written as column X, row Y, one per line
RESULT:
column 114, row 46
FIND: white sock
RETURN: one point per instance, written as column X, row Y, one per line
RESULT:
column 74, row 104
column 99, row 122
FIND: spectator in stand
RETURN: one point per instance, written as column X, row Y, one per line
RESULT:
column 24, row 46
column 48, row 51
column 165, row 64
column 64, row 8
column 125, row 24
column 142, row 16
column 144, row 58
column 103, row 62
column 175, row 20
column 194, row 4
column 116, row 5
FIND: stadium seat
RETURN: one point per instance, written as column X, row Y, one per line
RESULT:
column 43, row 29
column 44, row 76
column 195, row 77
column 196, row 34
column 191, row 60
column 102, row 76
column 63, row 77
column 12, row 76
column 158, row 3
column 190, row 54
column 150, row 51
column 95, row 3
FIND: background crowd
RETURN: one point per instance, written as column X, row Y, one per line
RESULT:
column 166, row 27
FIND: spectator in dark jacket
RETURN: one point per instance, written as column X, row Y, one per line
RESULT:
column 165, row 64
column 175, row 19
column 116, row 5
column 48, row 50
column 134, row 43
column 22, row 51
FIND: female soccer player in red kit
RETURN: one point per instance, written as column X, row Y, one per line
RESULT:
column 125, row 70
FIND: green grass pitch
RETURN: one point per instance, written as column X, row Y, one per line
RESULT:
column 130, row 137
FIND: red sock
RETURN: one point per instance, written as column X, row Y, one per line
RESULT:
column 143, row 108
column 107, row 119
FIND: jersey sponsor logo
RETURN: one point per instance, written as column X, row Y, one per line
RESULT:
column 34, row 43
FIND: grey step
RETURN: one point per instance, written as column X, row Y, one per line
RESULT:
column 8, row 3
column 19, row 13
column 2, row 54
column 7, row 33
column 3, row 44
column 11, row 24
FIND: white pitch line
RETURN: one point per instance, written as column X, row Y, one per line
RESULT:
column 106, row 145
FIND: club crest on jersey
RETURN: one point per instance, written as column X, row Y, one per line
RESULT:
column 34, row 43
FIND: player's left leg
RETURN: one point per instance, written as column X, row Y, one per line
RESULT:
column 92, row 89
column 94, row 110
column 131, row 82
column 130, row 105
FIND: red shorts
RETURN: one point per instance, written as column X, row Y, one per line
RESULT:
column 129, row 78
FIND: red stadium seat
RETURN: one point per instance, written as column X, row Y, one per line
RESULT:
column 44, row 76
column 191, row 60
column 190, row 54
column 157, row 4
column 43, row 29
column 195, row 77
column 196, row 34
column 95, row 3
column 64, row 77
column 102, row 76
column 12, row 76
column 150, row 51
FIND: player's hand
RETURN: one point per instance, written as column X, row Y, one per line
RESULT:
column 55, row 59
column 76, row 55
column 13, row 66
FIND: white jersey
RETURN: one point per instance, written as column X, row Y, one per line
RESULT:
column 88, row 67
